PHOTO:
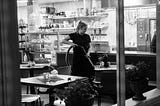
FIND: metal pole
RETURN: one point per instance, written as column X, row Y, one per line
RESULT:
column 158, row 43
column 120, row 54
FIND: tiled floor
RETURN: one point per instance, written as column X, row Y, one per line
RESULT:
column 105, row 101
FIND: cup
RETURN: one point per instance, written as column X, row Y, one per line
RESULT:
column 46, row 76
column 101, row 64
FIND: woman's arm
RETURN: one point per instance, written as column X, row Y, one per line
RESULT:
column 89, row 50
column 66, row 41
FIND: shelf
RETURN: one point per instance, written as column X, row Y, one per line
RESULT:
column 22, row 41
column 22, row 48
column 98, row 35
column 42, row 33
column 63, row 31
column 41, row 42
column 41, row 52
column 73, row 28
column 56, row 31
column 22, row 34
column 52, row 1
column 22, row 27
column 88, row 17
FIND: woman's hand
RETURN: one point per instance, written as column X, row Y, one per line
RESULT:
column 73, row 44
column 66, row 41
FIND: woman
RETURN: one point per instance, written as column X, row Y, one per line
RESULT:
column 80, row 64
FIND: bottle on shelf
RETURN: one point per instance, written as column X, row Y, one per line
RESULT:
column 25, row 58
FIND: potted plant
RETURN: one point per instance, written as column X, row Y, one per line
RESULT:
column 78, row 93
column 137, row 75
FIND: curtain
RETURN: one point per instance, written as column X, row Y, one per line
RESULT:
column 10, row 88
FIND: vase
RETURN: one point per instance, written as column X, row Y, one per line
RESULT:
column 138, row 87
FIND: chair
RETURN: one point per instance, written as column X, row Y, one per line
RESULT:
column 31, row 99
column 98, row 86
column 67, row 70
column 64, row 70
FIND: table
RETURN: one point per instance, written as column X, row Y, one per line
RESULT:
column 131, row 57
column 110, row 68
column 58, row 81
column 31, row 69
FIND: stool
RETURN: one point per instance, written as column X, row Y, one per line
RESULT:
column 31, row 99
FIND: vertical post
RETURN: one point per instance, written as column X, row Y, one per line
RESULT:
column 158, row 43
column 10, row 87
column 84, row 5
column 29, row 12
column 58, row 41
column 90, row 7
column 120, row 54
column 31, row 17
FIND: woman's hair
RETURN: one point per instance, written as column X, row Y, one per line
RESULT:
column 80, row 25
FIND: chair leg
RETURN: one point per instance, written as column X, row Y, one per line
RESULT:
column 33, row 103
column 98, row 87
column 40, row 102
column 37, row 102
column 27, row 89
column 25, row 104
column 99, row 100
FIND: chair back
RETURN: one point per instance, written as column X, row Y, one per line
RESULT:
column 64, row 70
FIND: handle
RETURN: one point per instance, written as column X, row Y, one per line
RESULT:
column 67, row 53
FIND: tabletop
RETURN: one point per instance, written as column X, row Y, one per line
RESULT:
column 53, row 82
column 36, row 66
column 110, row 68
column 33, row 68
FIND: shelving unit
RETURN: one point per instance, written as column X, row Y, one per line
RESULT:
column 23, row 39
column 55, row 25
column 58, row 33
column 70, row 23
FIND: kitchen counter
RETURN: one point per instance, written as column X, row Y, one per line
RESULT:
column 137, row 53
column 131, row 57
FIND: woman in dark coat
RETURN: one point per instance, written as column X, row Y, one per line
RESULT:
column 80, row 64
